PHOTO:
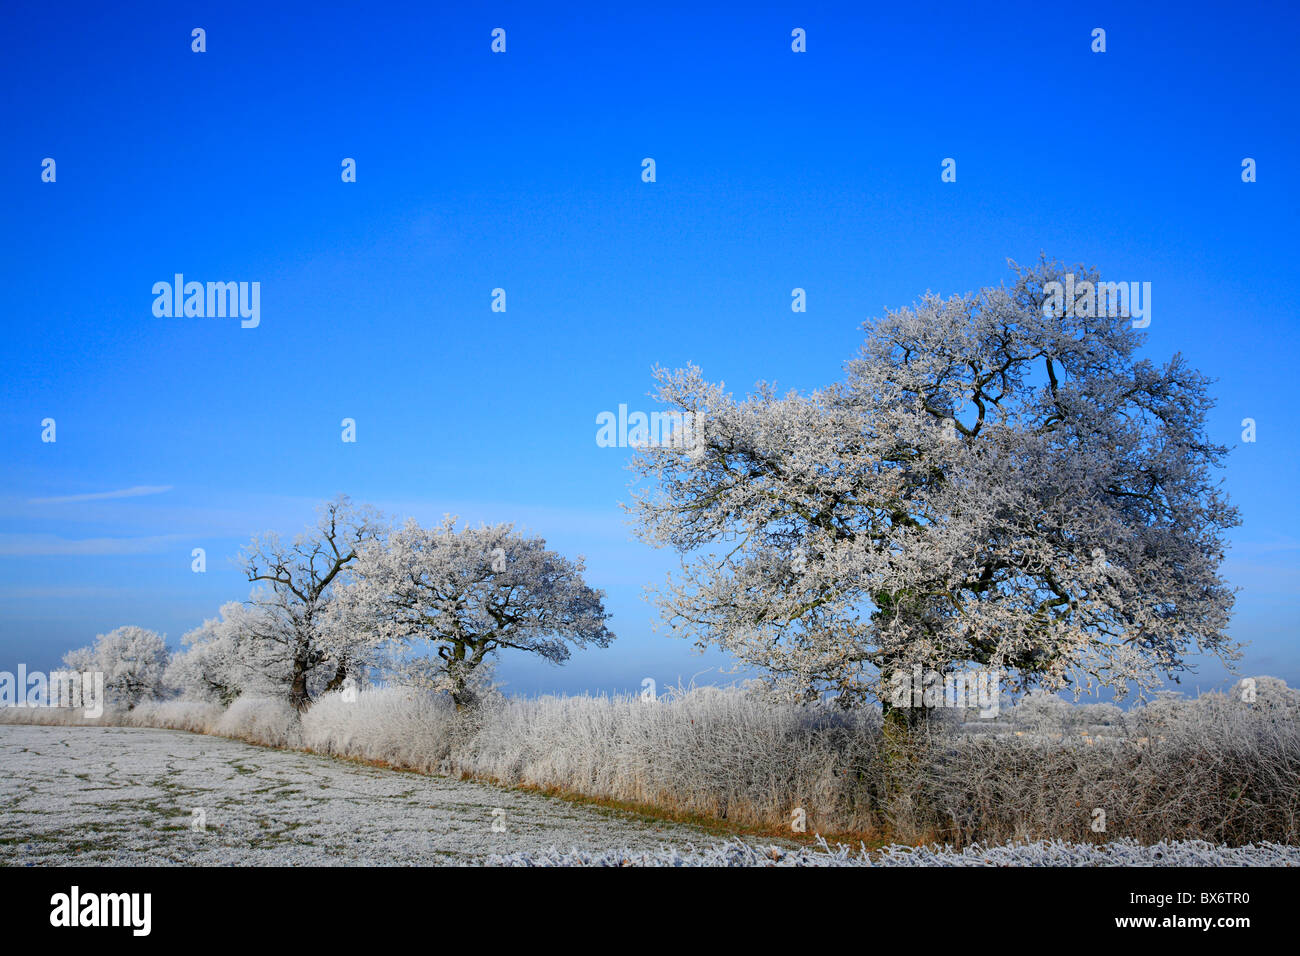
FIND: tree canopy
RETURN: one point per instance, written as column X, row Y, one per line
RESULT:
column 996, row 482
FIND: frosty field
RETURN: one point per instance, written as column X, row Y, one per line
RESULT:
column 128, row 796
column 125, row 795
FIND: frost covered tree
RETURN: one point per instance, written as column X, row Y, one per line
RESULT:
column 467, row 594
column 132, row 660
column 219, row 659
column 80, row 660
column 998, row 482
column 294, row 584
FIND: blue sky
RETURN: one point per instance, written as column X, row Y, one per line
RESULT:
column 523, row 171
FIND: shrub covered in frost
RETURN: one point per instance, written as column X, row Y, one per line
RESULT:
column 270, row 721
column 720, row 753
column 201, row 717
column 404, row 727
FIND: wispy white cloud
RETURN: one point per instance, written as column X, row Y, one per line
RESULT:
column 135, row 491
column 42, row 545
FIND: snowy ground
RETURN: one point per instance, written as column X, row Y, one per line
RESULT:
column 123, row 795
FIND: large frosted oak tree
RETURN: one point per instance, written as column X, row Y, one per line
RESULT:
column 294, row 583
column 467, row 594
column 1000, row 481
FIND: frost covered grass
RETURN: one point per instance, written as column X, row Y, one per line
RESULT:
column 1042, row 853
column 1211, row 769
column 136, row 796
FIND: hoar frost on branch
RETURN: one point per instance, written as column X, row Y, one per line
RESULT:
column 469, row 593
column 994, row 484
column 231, row 655
column 294, row 583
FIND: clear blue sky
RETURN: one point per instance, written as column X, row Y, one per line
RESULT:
column 523, row 171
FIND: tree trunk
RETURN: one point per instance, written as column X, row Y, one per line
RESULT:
column 461, row 695
column 340, row 675
column 458, row 669
column 298, row 696
column 905, row 720
column 902, row 741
